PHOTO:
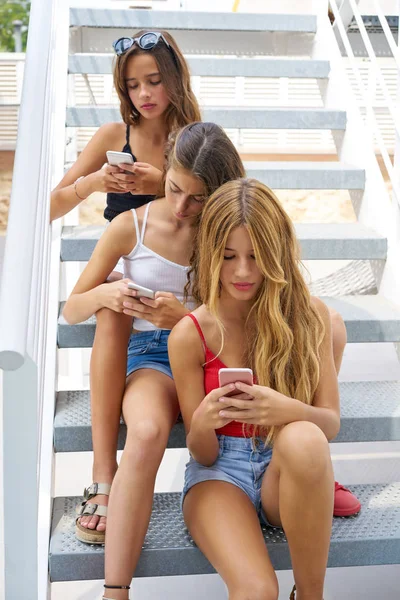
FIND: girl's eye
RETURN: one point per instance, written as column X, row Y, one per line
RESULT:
column 173, row 190
column 155, row 82
column 228, row 257
column 198, row 200
column 132, row 87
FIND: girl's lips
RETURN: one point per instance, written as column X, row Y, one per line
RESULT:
column 243, row 286
column 148, row 106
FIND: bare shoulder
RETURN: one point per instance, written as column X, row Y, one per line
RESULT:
column 322, row 308
column 122, row 230
column 111, row 132
column 185, row 337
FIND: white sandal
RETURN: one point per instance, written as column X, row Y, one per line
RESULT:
column 86, row 508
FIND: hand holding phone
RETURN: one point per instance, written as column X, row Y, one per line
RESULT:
column 120, row 158
column 231, row 375
column 142, row 291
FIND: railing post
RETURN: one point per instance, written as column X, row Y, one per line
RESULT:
column 20, row 451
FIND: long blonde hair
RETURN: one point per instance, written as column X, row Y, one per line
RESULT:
column 175, row 76
column 284, row 330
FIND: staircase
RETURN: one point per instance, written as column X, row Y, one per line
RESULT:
column 290, row 46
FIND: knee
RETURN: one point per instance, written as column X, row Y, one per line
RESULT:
column 257, row 588
column 339, row 333
column 112, row 325
column 304, row 449
column 145, row 442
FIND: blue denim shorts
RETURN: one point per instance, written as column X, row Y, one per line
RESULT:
column 149, row 350
column 241, row 462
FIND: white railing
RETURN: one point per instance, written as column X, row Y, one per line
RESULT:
column 375, row 79
column 28, row 305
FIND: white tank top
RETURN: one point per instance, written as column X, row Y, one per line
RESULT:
column 149, row 269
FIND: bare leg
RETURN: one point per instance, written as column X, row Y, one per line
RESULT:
column 107, row 384
column 339, row 338
column 297, row 492
column 150, row 409
column 224, row 524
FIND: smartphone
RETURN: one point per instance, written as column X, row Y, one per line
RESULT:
column 119, row 158
column 227, row 376
column 143, row 291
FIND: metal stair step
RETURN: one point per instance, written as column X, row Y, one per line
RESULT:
column 228, row 117
column 196, row 21
column 217, row 67
column 371, row 538
column 367, row 318
column 369, row 412
column 320, row 241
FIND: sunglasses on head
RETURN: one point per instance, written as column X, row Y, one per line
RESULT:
column 147, row 41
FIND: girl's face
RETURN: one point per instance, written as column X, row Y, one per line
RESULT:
column 184, row 193
column 240, row 276
column 145, row 88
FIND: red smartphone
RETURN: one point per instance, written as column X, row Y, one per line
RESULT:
column 227, row 376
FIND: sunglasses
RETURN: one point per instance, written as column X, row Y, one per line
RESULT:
column 147, row 41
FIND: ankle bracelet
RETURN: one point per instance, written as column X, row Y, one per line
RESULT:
column 117, row 587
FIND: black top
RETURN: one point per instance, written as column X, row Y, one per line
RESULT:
column 118, row 203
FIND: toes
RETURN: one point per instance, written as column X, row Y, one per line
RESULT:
column 92, row 524
column 102, row 524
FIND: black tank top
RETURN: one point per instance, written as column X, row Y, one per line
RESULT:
column 118, row 203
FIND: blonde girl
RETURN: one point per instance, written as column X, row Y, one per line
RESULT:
column 263, row 455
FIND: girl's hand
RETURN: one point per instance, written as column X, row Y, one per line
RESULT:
column 145, row 178
column 164, row 312
column 267, row 408
column 113, row 295
column 207, row 416
column 104, row 180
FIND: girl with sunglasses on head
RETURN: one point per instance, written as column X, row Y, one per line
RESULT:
column 156, row 242
column 152, row 81
column 262, row 454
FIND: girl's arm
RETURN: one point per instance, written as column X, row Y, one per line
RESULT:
column 90, row 294
column 200, row 414
column 270, row 407
column 89, row 164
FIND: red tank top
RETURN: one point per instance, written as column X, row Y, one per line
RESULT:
column 211, row 381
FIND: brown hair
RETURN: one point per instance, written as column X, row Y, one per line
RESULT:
column 175, row 76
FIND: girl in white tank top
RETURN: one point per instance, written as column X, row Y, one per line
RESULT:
column 156, row 243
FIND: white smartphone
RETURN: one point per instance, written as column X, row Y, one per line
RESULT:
column 143, row 291
column 119, row 158
column 227, row 376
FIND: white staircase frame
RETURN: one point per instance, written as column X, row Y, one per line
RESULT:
column 29, row 305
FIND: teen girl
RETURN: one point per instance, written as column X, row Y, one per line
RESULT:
column 153, row 85
column 156, row 243
column 265, row 454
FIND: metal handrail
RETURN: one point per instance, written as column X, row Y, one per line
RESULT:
column 28, row 222
column 367, row 97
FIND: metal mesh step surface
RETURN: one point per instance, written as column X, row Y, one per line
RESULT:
column 370, row 411
column 371, row 538
column 197, row 21
column 367, row 319
column 321, row 241
column 217, row 67
column 228, row 117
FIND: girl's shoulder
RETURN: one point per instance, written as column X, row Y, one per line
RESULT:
column 185, row 337
column 320, row 307
column 112, row 133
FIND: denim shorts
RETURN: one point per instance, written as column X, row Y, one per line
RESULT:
column 241, row 462
column 149, row 350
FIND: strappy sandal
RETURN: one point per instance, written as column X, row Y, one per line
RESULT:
column 83, row 534
column 293, row 594
column 115, row 587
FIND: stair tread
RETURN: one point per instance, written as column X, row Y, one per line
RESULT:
column 217, row 67
column 370, row 411
column 317, row 240
column 198, row 21
column 367, row 319
column 371, row 538
column 228, row 117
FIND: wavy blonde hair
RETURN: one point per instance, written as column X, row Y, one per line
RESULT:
column 183, row 107
column 284, row 329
